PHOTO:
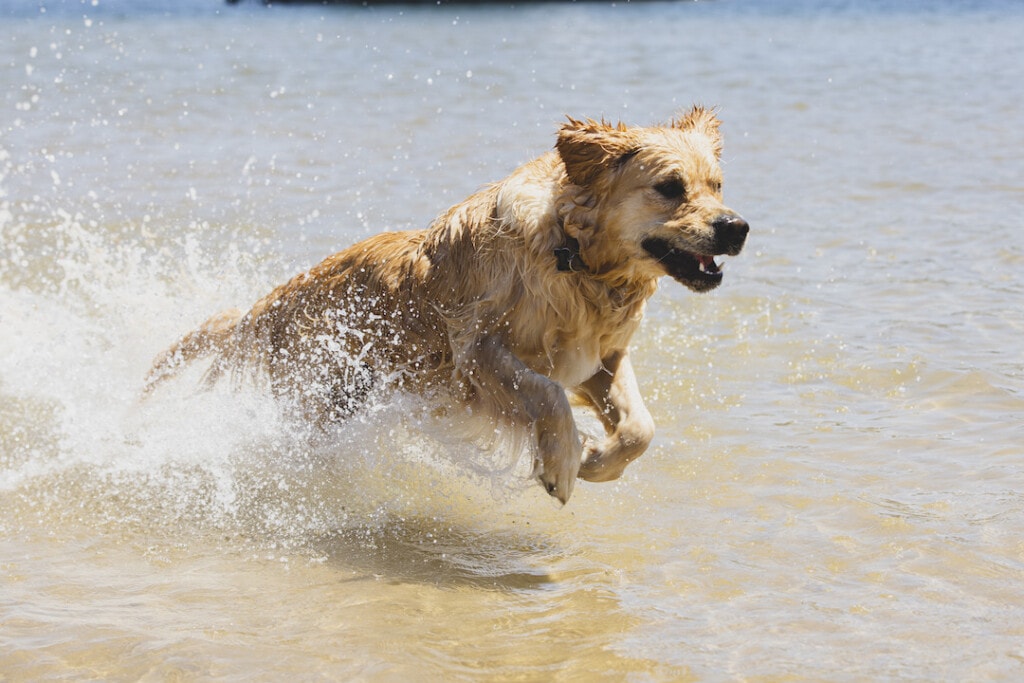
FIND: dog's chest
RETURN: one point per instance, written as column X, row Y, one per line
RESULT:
column 567, row 337
column 571, row 358
column 575, row 361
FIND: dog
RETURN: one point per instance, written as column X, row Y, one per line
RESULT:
column 524, row 295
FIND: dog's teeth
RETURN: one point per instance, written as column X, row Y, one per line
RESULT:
column 709, row 266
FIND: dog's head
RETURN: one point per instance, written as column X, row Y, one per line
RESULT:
column 643, row 202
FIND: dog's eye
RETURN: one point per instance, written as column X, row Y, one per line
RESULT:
column 716, row 186
column 671, row 189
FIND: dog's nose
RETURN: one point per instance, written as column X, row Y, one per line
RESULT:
column 730, row 233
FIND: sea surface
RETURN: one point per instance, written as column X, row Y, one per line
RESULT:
column 836, row 489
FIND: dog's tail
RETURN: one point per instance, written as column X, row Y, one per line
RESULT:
column 215, row 336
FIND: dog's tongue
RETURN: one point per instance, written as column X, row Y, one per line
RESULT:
column 707, row 263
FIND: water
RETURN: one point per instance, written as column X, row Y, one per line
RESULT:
column 835, row 489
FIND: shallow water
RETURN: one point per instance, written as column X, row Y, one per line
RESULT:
column 835, row 489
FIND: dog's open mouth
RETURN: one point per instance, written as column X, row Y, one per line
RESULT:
column 699, row 272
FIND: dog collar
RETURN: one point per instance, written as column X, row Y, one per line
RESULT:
column 568, row 256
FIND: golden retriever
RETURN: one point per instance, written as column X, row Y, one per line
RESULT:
column 527, row 290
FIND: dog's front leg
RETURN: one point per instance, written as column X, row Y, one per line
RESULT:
column 615, row 396
column 508, row 388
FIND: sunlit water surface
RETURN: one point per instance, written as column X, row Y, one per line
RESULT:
column 835, row 489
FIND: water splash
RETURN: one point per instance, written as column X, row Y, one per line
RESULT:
column 85, row 306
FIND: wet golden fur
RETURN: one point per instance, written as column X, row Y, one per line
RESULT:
column 477, row 310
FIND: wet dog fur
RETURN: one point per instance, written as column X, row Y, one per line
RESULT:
column 527, row 290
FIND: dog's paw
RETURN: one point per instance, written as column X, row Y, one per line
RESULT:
column 556, row 467
column 596, row 466
column 558, row 481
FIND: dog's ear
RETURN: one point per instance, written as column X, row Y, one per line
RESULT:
column 702, row 120
column 588, row 148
